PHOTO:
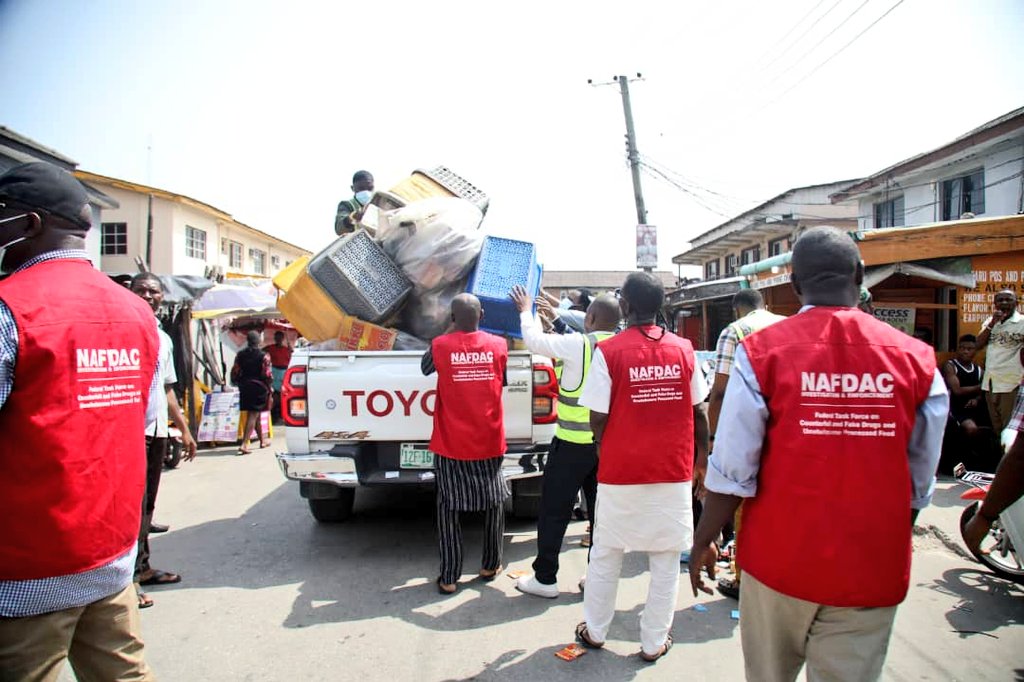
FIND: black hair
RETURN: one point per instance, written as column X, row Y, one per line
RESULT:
column 644, row 293
column 586, row 296
column 825, row 259
column 748, row 298
column 253, row 338
column 146, row 277
column 967, row 338
column 361, row 175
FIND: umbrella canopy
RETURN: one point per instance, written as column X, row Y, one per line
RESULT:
column 230, row 300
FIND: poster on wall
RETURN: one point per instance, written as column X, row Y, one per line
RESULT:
column 901, row 318
column 646, row 246
column 992, row 273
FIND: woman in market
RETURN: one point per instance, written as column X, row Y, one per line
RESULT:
column 251, row 373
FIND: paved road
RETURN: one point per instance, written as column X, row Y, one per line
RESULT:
column 271, row 595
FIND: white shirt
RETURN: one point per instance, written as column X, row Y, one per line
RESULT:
column 1003, row 370
column 652, row 517
column 567, row 347
column 157, row 425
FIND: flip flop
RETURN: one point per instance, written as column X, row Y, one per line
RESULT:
column 445, row 589
column 647, row 658
column 264, row 445
column 161, row 578
column 583, row 637
column 243, row 452
column 145, row 601
column 490, row 575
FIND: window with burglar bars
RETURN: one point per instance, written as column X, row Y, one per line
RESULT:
column 234, row 255
column 965, row 194
column 711, row 269
column 259, row 261
column 751, row 255
column 195, row 242
column 114, row 239
column 731, row 265
column 777, row 247
column 889, row 213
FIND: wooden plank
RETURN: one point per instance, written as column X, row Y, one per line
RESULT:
column 919, row 306
column 958, row 238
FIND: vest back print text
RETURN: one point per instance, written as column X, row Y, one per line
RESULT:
column 655, row 383
column 472, row 366
column 108, row 377
column 847, row 404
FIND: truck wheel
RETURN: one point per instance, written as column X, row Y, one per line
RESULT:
column 333, row 510
column 526, row 497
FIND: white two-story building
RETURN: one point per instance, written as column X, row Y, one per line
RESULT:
column 179, row 235
column 978, row 175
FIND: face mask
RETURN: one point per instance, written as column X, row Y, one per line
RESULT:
column 364, row 197
column 16, row 240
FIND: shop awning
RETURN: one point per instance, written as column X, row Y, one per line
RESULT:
column 705, row 291
column 952, row 271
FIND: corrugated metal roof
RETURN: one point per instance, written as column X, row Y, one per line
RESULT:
column 597, row 279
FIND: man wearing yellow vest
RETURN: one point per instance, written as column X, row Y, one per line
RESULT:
column 748, row 306
column 572, row 459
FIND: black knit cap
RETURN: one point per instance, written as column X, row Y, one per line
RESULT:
column 46, row 187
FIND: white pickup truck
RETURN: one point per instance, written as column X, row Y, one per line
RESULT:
column 363, row 418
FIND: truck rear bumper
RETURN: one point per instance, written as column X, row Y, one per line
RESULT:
column 339, row 467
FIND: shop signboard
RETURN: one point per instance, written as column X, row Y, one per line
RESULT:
column 899, row 317
column 992, row 273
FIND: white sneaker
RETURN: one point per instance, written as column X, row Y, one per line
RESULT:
column 529, row 585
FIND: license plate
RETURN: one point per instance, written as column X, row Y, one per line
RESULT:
column 415, row 456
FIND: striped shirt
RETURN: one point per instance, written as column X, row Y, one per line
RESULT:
column 20, row 598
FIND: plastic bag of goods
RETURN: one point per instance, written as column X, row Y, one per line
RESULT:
column 427, row 314
column 434, row 241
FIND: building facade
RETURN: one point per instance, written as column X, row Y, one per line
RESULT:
column 703, row 308
column 16, row 149
column 179, row 235
column 978, row 175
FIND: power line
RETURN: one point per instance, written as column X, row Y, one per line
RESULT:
column 839, row 51
column 823, row 39
column 790, row 31
column 801, row 36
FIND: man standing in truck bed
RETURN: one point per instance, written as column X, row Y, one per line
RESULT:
column 469, row 437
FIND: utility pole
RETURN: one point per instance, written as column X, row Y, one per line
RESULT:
column 631, row 151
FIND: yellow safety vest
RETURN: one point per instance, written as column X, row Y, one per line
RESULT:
column 574, row 419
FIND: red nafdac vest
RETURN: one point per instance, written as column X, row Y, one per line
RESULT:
column 73, row 454
column 648, row 437
column 830, row 523
column 469, row 420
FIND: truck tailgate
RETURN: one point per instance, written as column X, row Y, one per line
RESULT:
column 383, row 396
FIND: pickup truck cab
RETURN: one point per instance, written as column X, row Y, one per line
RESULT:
column 356, row 419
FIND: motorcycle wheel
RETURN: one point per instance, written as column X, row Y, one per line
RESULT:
column 173, row 457
column 1001, row 557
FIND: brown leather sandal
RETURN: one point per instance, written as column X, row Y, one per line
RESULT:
column 647, row 658
column 583, row 637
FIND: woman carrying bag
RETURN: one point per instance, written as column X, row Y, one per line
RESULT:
column 251, row 373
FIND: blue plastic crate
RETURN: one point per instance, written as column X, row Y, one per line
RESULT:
column 502, row 264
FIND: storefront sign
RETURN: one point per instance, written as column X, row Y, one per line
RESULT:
column 993, row 273
column 899, row 317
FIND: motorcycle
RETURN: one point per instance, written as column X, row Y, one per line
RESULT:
column 1001, row 550
column 172, row 458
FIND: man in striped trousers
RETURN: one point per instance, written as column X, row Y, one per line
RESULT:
column 469, row 437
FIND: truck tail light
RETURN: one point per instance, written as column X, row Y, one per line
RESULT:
column 294, row 405
column 545, row 393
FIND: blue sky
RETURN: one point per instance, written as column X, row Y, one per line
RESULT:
column 265, row 109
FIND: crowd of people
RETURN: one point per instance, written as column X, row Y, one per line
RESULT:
column 822, row 442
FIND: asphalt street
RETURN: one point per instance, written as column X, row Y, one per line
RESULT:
column 269, row 594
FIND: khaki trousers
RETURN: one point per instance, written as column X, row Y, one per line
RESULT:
column 101, row 641
column 780, row 634
column 1000, row 409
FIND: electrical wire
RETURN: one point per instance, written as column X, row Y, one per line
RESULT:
column 817, row 44
column 790, row 32
column 801, row 36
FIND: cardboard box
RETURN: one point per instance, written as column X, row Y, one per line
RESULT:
column 356, row 334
